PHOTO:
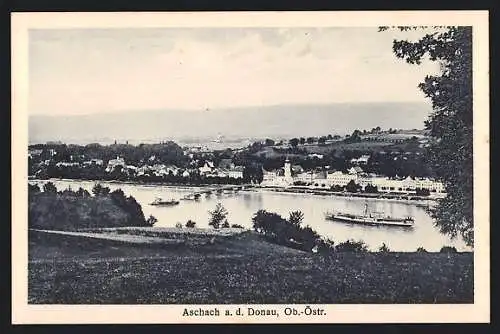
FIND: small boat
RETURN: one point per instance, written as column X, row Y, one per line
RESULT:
column 160, row 202
column 371, row 219
column 191, row 197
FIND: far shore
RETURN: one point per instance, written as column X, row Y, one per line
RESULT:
column 291, row 190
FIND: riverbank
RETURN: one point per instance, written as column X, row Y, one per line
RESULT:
column 239, row 268
column 397, row 198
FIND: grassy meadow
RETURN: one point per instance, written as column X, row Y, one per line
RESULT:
column 240, row 268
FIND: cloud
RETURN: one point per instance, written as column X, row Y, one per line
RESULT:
column 79, row 72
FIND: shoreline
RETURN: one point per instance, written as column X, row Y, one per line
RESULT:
column 425, row 202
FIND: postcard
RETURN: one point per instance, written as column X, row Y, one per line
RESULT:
column 250, row 167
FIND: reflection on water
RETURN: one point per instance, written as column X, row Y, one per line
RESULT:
column 242, row 205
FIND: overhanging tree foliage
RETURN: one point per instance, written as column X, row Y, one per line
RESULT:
column 450, row 122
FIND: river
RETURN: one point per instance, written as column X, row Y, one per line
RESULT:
column 242, row 205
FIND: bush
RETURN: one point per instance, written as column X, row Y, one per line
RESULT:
column 352, row 246
column 421, row 250
column 190, row 224
column 225, row 224
column 325, row 245
column 288, row 232
column 151, row 220
column 422, row 192
column 448, row 249
column 49, row 187
column 236, row 226
column 267, row 223
column 178, row 225
column 384, row 248
column 337, row 188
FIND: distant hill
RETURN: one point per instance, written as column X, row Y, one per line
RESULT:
column 284, row 121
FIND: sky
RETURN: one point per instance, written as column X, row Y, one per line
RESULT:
column 87, row 71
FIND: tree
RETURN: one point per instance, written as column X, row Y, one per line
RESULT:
column 269, row 142
column 448, row 249
column 322, row 140
column 450, row 123
column 310, row 140
column 190, row 224
column 294, row 142
column 82, row 193
column 371, row 189
column 352, row 187
column 99, row 190
column 296, row 218
column 217, row 216
column 302, row 140
column 253, row 173
column 49, row 188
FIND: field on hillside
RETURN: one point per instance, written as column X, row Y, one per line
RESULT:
column 240, row 269
column 340, row 146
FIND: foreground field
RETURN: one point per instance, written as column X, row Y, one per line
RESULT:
column 241, row 268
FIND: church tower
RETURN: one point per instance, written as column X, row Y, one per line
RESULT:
column 288, row 170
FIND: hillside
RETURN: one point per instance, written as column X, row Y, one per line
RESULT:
column 286, row 121
column 243, row 269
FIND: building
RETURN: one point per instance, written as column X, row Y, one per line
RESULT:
column 143, row 170
column 433, row 186
column 236, row 172
column 67, row 164
column 113, row 163
column 207, row 168
column 315, row 155
column 363, row 160
column 278, row 179
column 288, row 171
column 338, row 178
column 355, row 170
column 164, row 170
column 304, row 177
column 93, row 162
column 34, row 153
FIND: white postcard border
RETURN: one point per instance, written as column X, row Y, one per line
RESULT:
column 23, row 313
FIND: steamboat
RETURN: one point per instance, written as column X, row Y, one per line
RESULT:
column 371, row 219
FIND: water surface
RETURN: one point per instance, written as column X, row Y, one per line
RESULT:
column 243, row 205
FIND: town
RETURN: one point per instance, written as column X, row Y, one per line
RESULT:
column 324, row 163
column 252, row 164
